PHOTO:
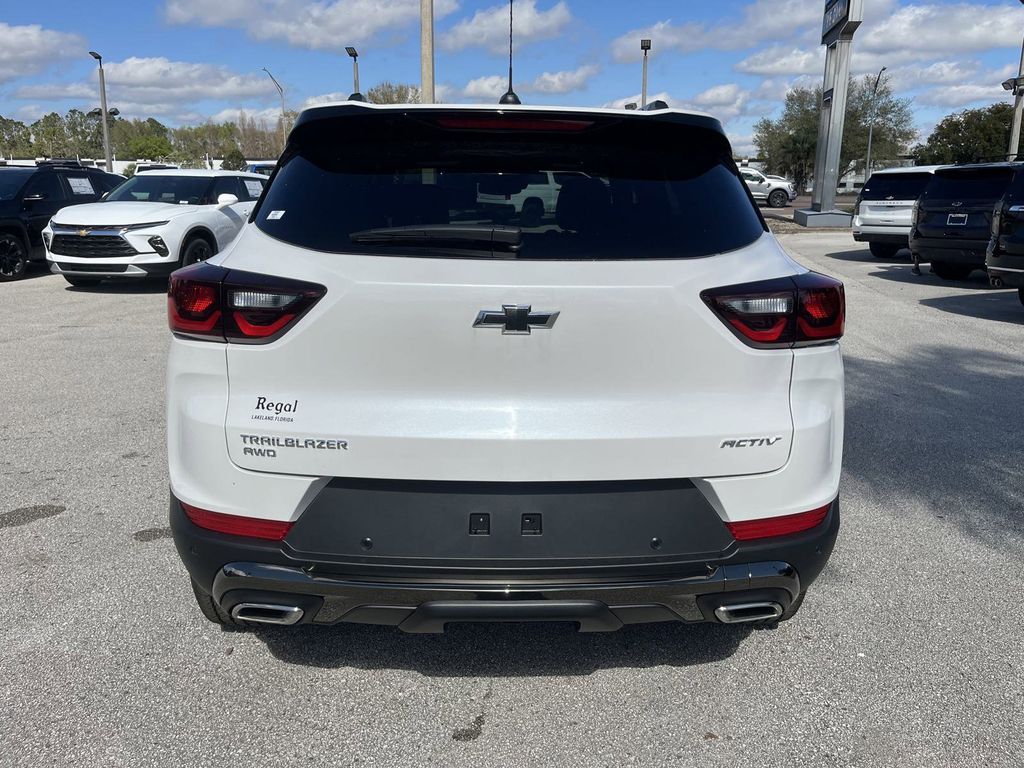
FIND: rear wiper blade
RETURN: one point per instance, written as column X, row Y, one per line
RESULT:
column 480, row 236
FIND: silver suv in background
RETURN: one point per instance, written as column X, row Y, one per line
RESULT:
column 778, row 193
column 883, row 212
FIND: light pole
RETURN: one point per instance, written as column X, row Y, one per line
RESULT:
column 645, row 46
column 284, row 119
column 103, row 109
column 871, row 123
column 1018, row 104
column 426, row 51
column 356, row 95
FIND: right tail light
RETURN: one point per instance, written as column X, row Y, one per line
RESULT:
column 798, row 311
column 211, row 303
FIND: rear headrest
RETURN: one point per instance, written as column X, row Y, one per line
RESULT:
column 583, row 205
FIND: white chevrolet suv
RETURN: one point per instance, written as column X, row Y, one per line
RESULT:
column 386, row 407
column 151, row 224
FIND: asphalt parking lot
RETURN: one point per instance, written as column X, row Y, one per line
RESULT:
column 907, row 651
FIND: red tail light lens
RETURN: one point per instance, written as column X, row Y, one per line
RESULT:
column 208, row 302
column 237, row 525
column 793, row 311
column 768, row 527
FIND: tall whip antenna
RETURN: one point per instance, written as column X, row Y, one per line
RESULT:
column 510, row 96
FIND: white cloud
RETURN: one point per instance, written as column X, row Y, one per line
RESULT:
column 779, row 60
column 762, row 20
column 324, row 98
column 963, row 95
column 489, row 28
column 269, row 116
column 635, row 99
column 742, row 144
column 491, row 87
column 324, row 25
column 30, row 49
column 140, row 87
column 928, row 30
column 486, row 88
column 564, row 81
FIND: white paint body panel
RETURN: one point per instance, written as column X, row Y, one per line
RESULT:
column 637, row 379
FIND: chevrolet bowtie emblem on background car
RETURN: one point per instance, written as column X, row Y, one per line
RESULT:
column 83, row 232
column 514, row 319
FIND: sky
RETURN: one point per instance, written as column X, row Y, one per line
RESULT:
column 187, row 61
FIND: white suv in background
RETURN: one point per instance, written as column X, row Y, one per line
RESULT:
column 389, row 404
column 151, row 224
column 882, row 216
column 774, row 190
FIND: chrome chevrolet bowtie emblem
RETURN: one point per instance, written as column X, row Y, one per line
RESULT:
column 514, row 319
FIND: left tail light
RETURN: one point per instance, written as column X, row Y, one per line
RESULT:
column 798, row 311
column 237, row 525
column 208, row 302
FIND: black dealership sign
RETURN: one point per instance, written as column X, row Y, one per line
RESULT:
column 837, row 13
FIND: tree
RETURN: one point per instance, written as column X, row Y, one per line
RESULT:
column 968, row 136
column 49, row 136
column 140, row 139
column 234, row 160
column 15, row 138
column 789, row 143
column 84, row 134
column 393, row 93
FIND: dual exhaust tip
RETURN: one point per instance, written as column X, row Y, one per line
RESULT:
column 286, row 615
column 745, row 612
column 267, row 613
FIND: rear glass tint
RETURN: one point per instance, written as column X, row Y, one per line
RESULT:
column 987, row 184
column 895, row 186
column 613, row 189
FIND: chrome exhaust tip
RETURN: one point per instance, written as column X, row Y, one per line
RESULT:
column 995, row 282
column 266, row 613
column 743, row 612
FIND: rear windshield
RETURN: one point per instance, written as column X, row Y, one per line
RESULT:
column 612, row 189
column 895, row 186
column 979, row 184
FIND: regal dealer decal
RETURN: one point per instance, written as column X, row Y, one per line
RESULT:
column 269, row 410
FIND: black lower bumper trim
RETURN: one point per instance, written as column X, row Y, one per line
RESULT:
column 874, row 237
column 950, row 251
column 629, row 589
column 595, row 606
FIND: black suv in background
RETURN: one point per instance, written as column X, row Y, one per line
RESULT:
column 953, row 217
column 30, row 195
column 1005, row 257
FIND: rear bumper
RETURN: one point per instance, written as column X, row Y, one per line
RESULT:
column 950, row 251
column 1007, row 267
column 422, row 594
column 867, row 233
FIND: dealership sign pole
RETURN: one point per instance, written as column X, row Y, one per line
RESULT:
column 840, row 21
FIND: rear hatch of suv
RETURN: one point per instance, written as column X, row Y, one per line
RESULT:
column 451, row 344
column 957, row 203
column 888, row 198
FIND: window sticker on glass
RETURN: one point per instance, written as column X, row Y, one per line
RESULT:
column 274, row 215
column 254, row 188
column 81, row 185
